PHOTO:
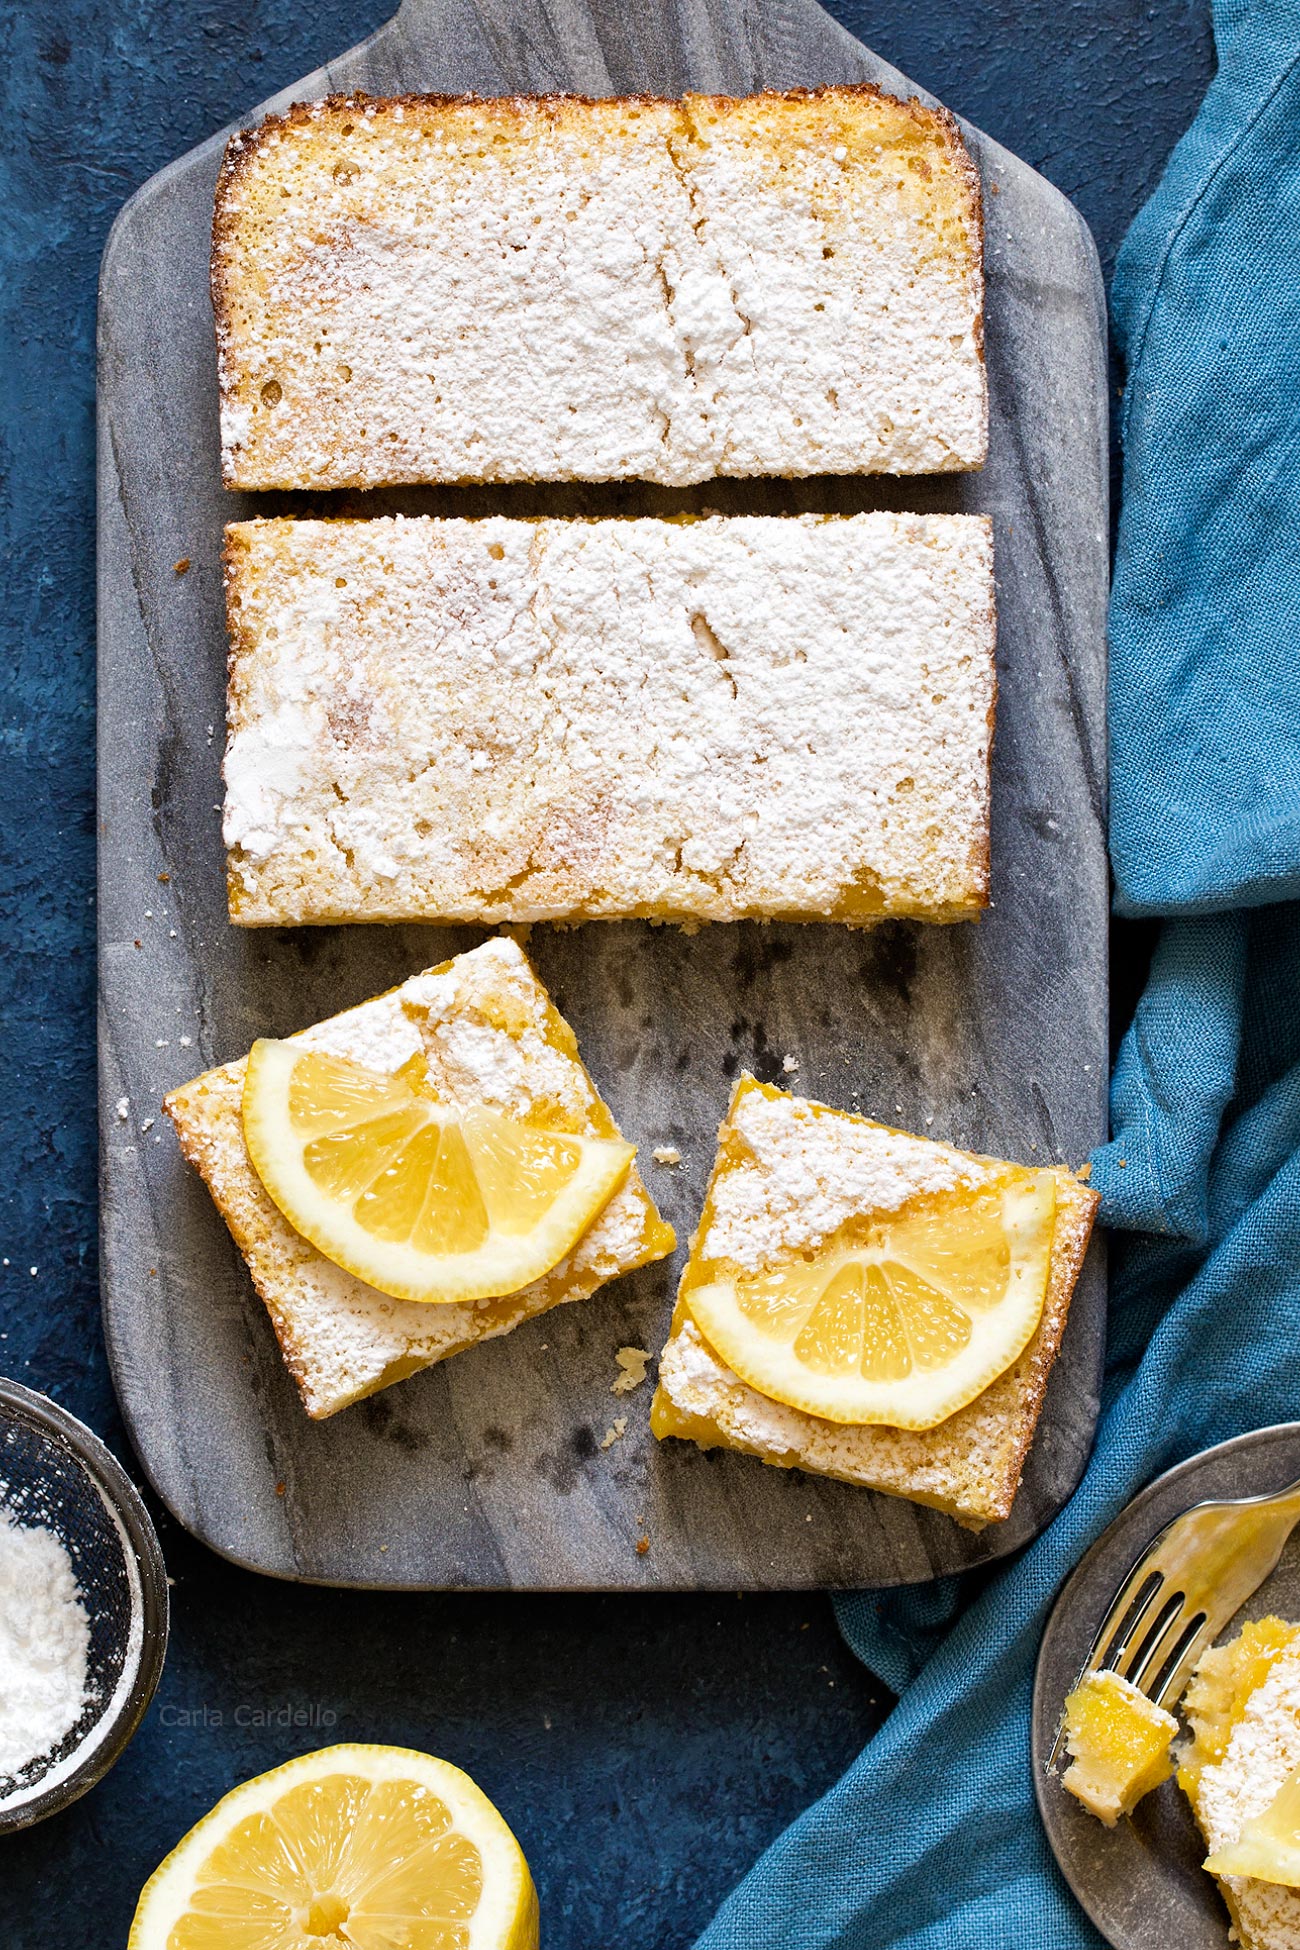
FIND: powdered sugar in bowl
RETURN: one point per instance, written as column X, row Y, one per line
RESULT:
column 83, row 1608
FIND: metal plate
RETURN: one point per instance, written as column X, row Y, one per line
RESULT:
column 488, row 1471
column 1141, row 1882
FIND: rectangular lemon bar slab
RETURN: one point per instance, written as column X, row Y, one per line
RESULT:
column 788, row 1174
column 533, row 289
column 490, row 1035
column 697, row 720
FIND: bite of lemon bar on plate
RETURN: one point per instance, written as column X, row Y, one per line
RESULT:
column 418, row 1173
column 1241, row 1774
column 1118, row 1741
column 872, row 1306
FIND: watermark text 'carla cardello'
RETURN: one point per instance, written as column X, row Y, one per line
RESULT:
column 275, row 1715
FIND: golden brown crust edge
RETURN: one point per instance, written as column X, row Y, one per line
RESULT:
column 242, row 149
column 239, row 645
column 1069, row 1249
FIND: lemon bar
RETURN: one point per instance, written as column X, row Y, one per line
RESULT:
column 513, row 721
column 1119, row 1743
column 490, row 1036
column 1243, row 1707
column 556, row 289
column 789, row 1176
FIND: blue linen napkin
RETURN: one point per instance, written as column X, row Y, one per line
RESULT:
column 932, row 1841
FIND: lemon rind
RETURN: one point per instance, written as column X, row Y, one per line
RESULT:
column 506, row 1916
column 759, row 1359
column 400, row 1269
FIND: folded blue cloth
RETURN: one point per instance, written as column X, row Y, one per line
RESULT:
column 1205, row 618
column 932, row 1841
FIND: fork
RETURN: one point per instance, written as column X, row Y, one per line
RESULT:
column 1184, row 1589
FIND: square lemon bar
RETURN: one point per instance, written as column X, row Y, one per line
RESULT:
column 490, row 1035
column 791, row 1175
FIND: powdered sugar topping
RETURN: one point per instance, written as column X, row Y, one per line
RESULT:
column 805, row 1171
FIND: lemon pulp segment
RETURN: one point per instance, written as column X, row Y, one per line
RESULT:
column 423, row 1199
column 375, row 1848
column 900, row 1318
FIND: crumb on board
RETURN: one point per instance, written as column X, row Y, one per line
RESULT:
column 183, row 566
column 615, row 1433
column 789, row 1064
column 642, row 1546
column 666, row 1154
column 632, row 1362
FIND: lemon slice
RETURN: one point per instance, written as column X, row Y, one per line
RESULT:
column 901, row 1319
column 377, row 1848
column 1268, row 1846
column 422, row 1199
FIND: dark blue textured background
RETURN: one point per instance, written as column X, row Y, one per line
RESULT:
column 645, row 1751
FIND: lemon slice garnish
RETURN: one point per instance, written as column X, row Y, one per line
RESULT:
column 421, row 1199
column 366, row 1846
column 1268, row 1846
column 900, row 1319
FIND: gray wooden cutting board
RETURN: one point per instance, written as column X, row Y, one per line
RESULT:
column 488, row 1471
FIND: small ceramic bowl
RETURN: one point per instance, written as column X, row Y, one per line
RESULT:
column 54, row 1472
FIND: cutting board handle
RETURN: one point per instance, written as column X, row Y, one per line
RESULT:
column 602, row 47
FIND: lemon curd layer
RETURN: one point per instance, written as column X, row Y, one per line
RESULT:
column 489, row 1037
column 815, row 1227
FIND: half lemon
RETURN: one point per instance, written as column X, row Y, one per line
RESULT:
column 376, row 1848
column 423, row 1199
column 900, row 1318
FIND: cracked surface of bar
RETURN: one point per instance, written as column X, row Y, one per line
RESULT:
column 531, row 289
column 687, row 720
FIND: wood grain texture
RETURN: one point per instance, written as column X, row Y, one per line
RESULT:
column 488, row 1471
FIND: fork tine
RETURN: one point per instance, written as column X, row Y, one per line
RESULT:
column 1148, row 1659
column 1169, row 1683
column 1129, row 1609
